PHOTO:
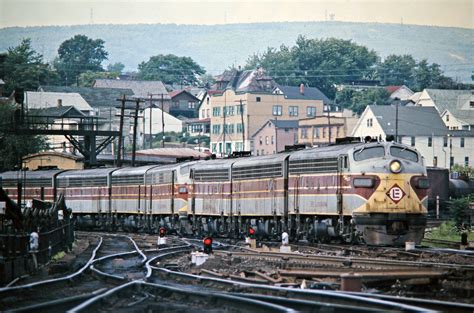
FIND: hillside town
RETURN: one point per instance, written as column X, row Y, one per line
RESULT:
column 246, row 110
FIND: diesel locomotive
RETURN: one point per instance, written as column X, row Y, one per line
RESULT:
column 375, row 191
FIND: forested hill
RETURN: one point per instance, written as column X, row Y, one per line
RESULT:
column 220, row 46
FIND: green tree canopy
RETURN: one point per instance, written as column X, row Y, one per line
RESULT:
column 22, row 68
column 86, row 79
column 317, row 62
column 116, row 67
column 357, row 101
column 170, row 69
column 14, row 147
column 78, row 55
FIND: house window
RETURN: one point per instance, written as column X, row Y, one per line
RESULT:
column 324, row 132
column 466, row 161
column 216, row 111
column 191, row 104
column 262, row 152
column 203, row 113
column 462, row 142
column 276, row 110
column 266, row 140
column 273, row 141
column 471, row 104
column 326, row 108
column 231, row 128
column 261, row 142
column 435, row 161
column 208, row 113
column 412, row 141
column 310, row 111
column 369, row 122
column 447, row 117
column 304, row 133
column 216, row 129
column 445, row 141
column 214, row 147
column 293, row 111
column 451, row 162
column 258, row 99
column 430, row 141
column 239, row 128
column 316, row 132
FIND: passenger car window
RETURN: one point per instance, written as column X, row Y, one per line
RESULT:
column 369, row 153
column 404, row 153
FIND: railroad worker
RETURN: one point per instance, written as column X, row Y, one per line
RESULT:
column 34, row 247
column 285, row 238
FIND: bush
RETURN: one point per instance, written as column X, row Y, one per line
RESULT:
column 458, row 208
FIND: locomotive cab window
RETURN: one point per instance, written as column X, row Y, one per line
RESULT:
column 404, row 153
column 369, row 153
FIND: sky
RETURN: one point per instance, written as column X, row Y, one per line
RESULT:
column 453, row 13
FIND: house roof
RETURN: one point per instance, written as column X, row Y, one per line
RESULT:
column 140, row 88
column 41, row 100
column 310, row 93
column 96, row 97
column 278, row 124
column 412, row 121
column 58, row 112
column 244, row 81
column 455, row 101
column 175, row 93
column 392, row 89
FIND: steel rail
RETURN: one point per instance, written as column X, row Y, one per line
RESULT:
column 55, row 280
column 348, row 260
column 314, row 295
column 238, row 303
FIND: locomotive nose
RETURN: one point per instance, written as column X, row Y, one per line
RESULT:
column 395, row 166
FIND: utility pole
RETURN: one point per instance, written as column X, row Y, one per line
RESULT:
column 329, row 123
column 162, row 123
column 242, row 121
column 135, row 122
column 151, row 124
column 122, row 113
column 396, row 122
column 224, row 125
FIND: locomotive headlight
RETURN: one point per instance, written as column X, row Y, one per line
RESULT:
column 395, row 167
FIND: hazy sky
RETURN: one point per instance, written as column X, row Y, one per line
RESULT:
column 458, row 13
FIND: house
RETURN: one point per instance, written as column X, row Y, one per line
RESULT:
column 421, row 128
column 274, row 135
column 324, row 129
column 399, row 92
column 184, row 104
column 52, row 159
column 242, row 101
column 456, row 107
column 151, row 121
column 152, row 91
column 43, row 100
column 60, row 118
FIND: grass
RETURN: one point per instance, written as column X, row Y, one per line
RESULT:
column 447, row 231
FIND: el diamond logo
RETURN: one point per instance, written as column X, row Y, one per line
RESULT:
column 396, row 193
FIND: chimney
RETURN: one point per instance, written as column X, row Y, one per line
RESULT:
column 302, row 89
column 60, row 103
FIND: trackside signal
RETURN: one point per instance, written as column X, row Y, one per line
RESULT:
column 251, row 233
column 207, row 242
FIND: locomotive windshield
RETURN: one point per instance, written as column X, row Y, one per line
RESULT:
column 404, row 153
column 369, row 153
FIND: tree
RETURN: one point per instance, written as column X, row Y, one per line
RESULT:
column 170, row 69
column 14, row 147
column 206, row 80
column 374, row 96
column 22, row 68
column 116, row 67
column 397, row 70
column 86, row 79
column 317, row 62
column 78, row 55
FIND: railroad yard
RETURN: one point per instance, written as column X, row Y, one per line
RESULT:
column 123, row 272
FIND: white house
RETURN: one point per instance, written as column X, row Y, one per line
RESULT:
column 156, row 118
column 399, row 92
column 421, row 128
column 456, row 107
